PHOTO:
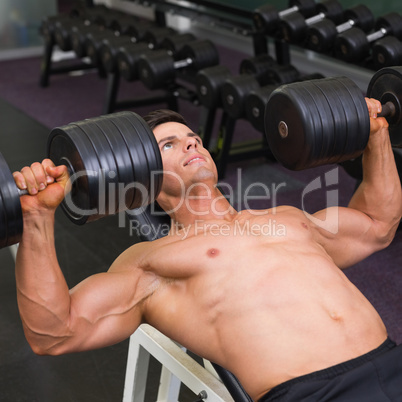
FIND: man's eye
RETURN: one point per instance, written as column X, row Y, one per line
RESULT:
column 168, row 145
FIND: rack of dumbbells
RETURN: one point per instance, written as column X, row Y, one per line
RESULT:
column 177, row 65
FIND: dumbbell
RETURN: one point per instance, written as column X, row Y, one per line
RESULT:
column 96, row 42
column 326, row 121
column 63, row 32
column 48, row 24
column 98, row 17
column 171, row 43
column 293, row 27
column 209, row 82
column 158, row 68
column 93, row 43
column 88, row 40
column 257, row 100
column 130, row 25
column 386, row 52
column 235, row 89
column 354, row 45
column 127, row 57
column 114, row 164
column 266, row 17
column 320, row 36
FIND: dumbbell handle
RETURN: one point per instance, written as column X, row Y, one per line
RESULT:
column 388, row 110
column 377, row 35
column 315, row 18
column 183, row 63
column 345, row 26
column 288, row 11
column 22, row 192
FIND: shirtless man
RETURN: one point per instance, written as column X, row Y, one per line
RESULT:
column 269, row 308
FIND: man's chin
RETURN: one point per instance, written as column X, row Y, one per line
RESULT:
column 203, row 174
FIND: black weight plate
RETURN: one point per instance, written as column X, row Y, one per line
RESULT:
column 234, row 92
column 386, row 52
column 266, row 18
column 362, row 16
column 256, row 103
column 256, row 65
column 332, row 9
column 351, row 45
column 386, row 85
column 203, row 53
column 351, row 118
column 279, row 74
column 93, row 43
column 337, row 147
column 108, row 174
column 293, row 27
column 111, row 130
column 285, row 106
column 108, row 51
column 138, row 160
column 306, row 7
column 68, row 146
column 127, row 60
column 362, row 116
column 325, row 135
column 392, row 22
column 78, row 35
column 353, row 113
column 139, row 30
column 155, row 36
column 11, row 206
column 319, row 127
column 174, row 43
column 156, row 68
column 208, row 82
column 152, row 153
column 321, row 35
column 141, row 144
column 62, row 35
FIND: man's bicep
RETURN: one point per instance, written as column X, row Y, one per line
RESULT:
column 347, row 235
column 105, row 309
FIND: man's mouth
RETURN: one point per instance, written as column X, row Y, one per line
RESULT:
column 194, row 159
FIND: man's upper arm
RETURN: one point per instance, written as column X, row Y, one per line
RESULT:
column 348, row 235
column 106, row 308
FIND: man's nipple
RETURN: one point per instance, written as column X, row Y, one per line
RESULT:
column 212, row 252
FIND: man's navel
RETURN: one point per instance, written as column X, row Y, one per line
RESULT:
column 212, row 252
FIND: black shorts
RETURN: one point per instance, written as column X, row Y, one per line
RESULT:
column 373, row 377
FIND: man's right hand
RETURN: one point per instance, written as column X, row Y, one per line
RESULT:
column 46, row 184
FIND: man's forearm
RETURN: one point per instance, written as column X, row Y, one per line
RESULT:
column 379, row 195
column 42, row 292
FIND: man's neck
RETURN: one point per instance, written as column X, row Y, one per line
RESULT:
column 200, row 207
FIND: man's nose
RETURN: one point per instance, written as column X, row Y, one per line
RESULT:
column 190, row 143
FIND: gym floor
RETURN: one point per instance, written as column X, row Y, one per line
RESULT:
column 27, row 113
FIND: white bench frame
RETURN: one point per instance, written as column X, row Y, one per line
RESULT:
column 177, row 367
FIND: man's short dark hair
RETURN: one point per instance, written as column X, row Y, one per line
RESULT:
column 161, row 116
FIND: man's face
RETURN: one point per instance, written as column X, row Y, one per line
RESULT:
column 185, row 161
